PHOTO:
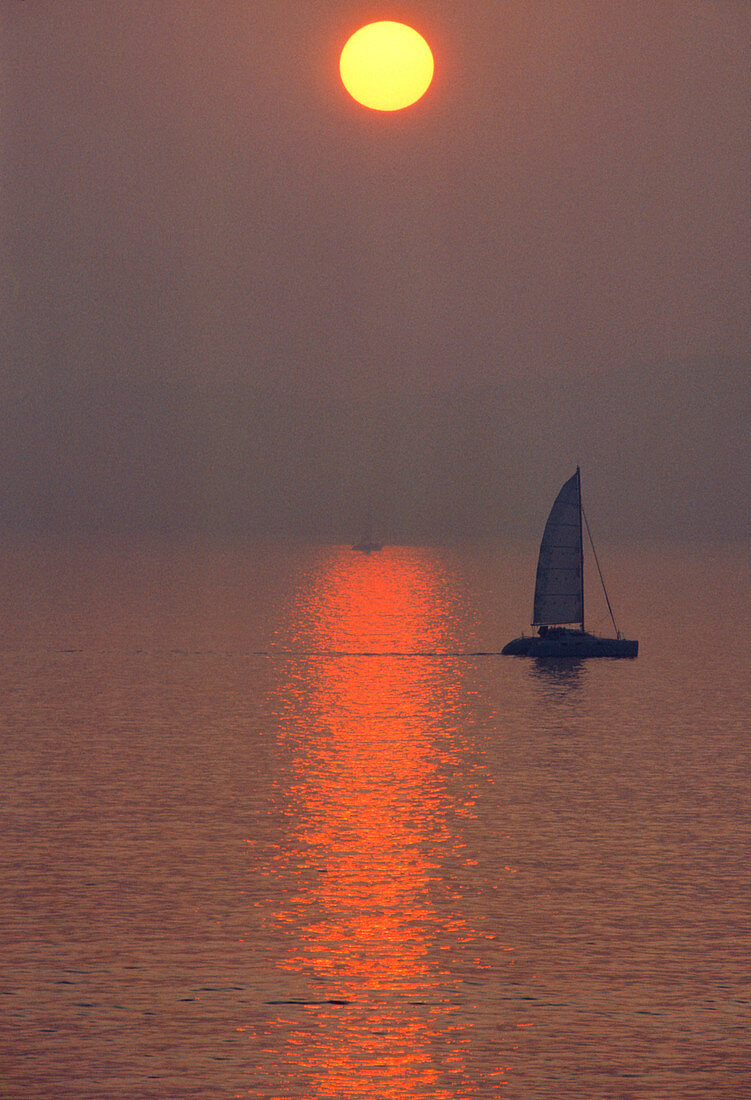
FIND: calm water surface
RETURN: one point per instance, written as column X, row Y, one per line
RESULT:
column 278, row 823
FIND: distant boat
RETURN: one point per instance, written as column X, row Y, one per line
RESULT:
column 559, row 589
column 367, row 543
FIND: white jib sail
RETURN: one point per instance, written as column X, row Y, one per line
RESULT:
column 559, row 587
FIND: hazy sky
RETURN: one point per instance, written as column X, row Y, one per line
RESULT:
column 235, row 299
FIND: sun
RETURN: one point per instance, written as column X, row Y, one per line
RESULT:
column 386, row 66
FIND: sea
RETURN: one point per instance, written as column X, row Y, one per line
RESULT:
column 279, row 821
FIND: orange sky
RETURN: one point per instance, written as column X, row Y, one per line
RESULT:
column 203, row 234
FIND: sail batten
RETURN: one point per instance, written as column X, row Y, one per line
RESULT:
column 559, row 596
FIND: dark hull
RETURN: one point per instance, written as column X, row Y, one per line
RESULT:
column 570, row 643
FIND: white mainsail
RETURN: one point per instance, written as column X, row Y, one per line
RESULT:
column 559, row 588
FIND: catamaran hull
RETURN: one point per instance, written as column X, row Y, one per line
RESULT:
column 571, row 644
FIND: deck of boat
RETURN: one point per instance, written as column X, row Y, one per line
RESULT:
column 570, row 643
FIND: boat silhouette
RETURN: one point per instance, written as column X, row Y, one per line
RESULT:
column 559, row 589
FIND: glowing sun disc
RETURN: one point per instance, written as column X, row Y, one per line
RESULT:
column 386, row 66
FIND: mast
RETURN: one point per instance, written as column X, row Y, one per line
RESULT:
column 581, row 543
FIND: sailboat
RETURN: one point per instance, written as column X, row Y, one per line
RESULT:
column 367, row 543
column 559, row 589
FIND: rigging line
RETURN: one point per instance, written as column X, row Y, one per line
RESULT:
column 602, row 579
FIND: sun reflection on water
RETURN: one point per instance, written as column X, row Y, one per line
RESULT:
column 371, row 827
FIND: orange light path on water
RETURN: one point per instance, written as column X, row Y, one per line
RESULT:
column 369, row 829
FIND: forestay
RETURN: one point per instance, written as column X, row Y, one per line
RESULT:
column 559, row 594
